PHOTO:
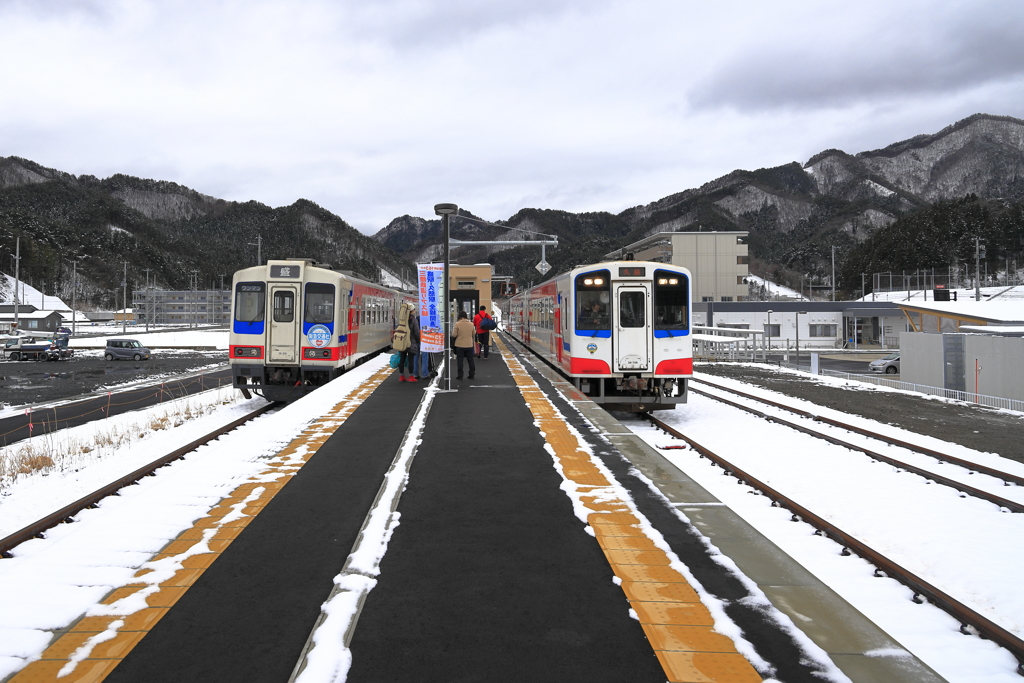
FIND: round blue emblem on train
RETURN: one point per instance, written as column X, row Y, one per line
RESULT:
column 592, row 347
column 319, row 336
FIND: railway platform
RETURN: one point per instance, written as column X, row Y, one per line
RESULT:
column 509, row 530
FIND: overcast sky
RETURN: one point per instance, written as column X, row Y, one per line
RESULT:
column 383, row 108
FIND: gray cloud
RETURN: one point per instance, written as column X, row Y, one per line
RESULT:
column 925, row 50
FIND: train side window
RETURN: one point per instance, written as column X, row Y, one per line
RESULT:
column 319, row 303
column 284, row 306
column 250, row 301
column 671, row 299
column 593, row 296
column 632, row 305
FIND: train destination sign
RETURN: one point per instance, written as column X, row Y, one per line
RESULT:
column 285, row 271
column 632, row 271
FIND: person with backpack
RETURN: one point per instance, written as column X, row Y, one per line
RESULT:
column 406, row 340
column 483, row 323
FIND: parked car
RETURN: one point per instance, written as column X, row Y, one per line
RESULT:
column 126, row 349
column 890, row 365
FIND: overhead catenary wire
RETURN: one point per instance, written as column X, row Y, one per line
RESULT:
column 504, row 227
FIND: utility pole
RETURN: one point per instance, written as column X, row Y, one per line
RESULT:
column 833, row 273
column 979, row 253
column 17, row 278
column 149, row 296
column 74, row 297
column 259, row 249
column 124, row 298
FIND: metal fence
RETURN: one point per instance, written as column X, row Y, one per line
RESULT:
column 964, row 396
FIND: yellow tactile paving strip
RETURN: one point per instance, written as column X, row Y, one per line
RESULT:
column 677, row 624
column 180, row 564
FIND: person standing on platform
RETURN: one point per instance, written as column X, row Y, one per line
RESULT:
column 462, row 342
column 482, row 336
column 407, row 320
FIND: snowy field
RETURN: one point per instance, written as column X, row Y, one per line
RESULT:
column 53, row 580
column 165, row 338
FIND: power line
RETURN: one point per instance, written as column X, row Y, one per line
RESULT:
column 504, row 227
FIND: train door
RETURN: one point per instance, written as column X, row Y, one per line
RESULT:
column 284, row 336
column 631, row 345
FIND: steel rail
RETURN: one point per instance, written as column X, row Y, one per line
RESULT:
column 67, row 513
column 1007, row 477
column 968, row 618
column 1011, row 505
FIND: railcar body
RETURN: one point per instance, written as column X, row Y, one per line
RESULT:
column 295, row 326
column 620, row 330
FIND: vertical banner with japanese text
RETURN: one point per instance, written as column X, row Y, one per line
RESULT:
column 431, row 281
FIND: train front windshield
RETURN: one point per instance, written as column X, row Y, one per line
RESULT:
column 319, row 303
column 250, row 301
column 593, row 296
column 671, row 302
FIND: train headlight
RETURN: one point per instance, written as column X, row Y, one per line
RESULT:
column 662, row 280
column 673, row 281
column 589, row 281
column 247, row 352
column 598, row 281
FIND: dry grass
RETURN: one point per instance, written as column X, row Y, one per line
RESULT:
column 56, row 452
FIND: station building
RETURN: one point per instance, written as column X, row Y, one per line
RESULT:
column 965, row 347
column 717, row 260
column 470, row 287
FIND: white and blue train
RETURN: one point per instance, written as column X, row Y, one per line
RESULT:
column 620, row 330
column 295, row 326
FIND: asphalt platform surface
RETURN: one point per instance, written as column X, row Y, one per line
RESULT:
column 489, row 575
column 248, row 616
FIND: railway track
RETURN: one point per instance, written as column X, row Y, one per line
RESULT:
column 971, row 622
column 67, row 513
column 1007, row 478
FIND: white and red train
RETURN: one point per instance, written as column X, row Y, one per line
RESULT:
column 295, row 326
column 620, row 330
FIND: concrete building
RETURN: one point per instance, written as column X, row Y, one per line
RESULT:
column 965, row 347
column 180, row 307
column 815, row 324
column 717, row 260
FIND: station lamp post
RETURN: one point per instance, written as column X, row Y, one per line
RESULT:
column 768, row 335
column 445, row 211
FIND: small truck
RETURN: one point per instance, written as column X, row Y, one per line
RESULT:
column 30, row 348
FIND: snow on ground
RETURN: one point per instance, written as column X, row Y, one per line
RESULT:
column 29, row 295
column 84, row 458
column 212, row 338
column 958, row 544
column 52, row 580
